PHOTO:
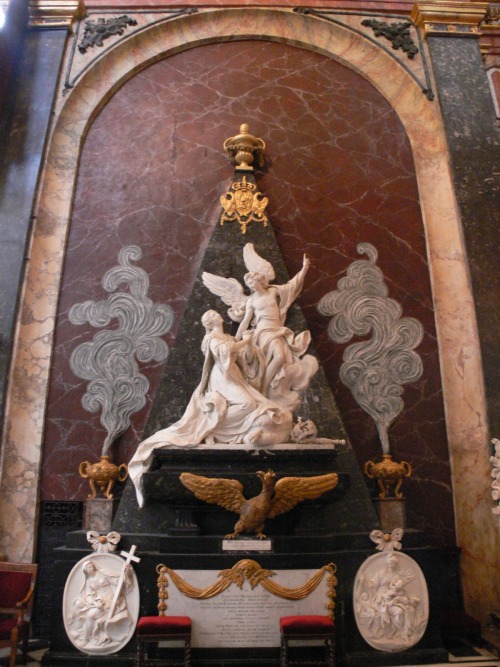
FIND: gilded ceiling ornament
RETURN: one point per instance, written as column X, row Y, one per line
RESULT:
column 245, row 204
column 276, row 497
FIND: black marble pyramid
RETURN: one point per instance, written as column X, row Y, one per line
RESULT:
column 352, row 509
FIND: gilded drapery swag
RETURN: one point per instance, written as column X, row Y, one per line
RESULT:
column 255, row 575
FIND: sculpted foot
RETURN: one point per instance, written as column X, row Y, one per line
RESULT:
column 253, row 437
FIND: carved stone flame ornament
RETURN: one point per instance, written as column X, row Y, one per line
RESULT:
column 388, row 473
column 104, row 474
column 245, row 204
column 375, row 369
column 109, row 362
column 244, row 148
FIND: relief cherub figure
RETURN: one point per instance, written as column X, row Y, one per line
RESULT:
column 274, row 362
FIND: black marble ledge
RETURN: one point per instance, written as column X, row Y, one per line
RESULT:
column 347, row 552
column 151, row 544
column 239, row 462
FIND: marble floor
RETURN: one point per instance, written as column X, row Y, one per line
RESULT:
column 483, row 659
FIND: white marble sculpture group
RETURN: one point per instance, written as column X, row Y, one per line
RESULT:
column 391, row 604
column 101, row 598
column 250, row 383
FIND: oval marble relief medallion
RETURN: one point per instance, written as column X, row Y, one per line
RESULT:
column 391, row 601
column 101, row 604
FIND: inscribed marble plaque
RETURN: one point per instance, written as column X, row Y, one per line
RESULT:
column 243, row 617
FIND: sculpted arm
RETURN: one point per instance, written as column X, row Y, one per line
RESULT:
column 291, row 290
column 306, row 263
column 245, row 322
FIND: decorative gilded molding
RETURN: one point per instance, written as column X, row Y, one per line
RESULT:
column 449, row 18
column 251, row 571
column 47, row 14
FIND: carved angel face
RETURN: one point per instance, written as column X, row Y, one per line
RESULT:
column 254, row 278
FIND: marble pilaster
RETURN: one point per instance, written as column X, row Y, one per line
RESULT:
column 452, row 30
column 25, row 123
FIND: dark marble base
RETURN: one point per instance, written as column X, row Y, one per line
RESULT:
column 257, row 658
column 346, row 550
column 347, row 508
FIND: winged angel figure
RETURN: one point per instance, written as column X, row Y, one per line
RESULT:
column 274, row 361
column 250, row 383
column 276, row 497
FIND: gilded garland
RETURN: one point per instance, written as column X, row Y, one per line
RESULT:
column 251, row 571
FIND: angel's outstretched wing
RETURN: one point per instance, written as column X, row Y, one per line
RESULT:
column 230, row 291
column 228, row 493
column 255, row 262
column 289, row 491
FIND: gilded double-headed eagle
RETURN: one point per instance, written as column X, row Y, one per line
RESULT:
column 276, row 497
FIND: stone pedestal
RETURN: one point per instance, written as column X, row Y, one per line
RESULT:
column 205, row 555
column 391, row 512
column 188, row 536
column 98, row 514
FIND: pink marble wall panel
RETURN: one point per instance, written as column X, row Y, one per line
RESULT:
column 339, row 171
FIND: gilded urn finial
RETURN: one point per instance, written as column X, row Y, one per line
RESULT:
column 388, row 473
column 244, row 148
column 104, row 474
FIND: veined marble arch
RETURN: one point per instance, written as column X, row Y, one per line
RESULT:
column 454, row 310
